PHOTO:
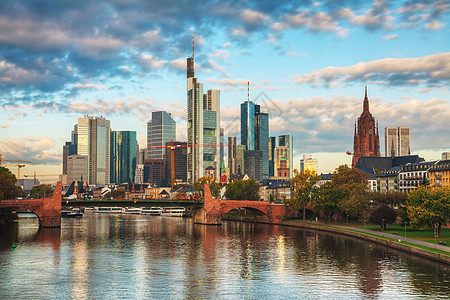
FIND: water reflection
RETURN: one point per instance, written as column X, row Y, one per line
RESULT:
column 129, row 256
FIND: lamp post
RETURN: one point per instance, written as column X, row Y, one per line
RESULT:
column 382, row 224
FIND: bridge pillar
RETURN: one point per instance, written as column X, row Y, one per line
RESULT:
column 211, row 213
column 50, row 215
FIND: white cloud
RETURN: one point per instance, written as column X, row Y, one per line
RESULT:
column 35, row 149
column 149, row 62
column 4, row 126
column 387, row 71
column 389, row 37
column 434, row 25
column 254, row 18
column 221, row 54
column 89, row 86
column 179, row 64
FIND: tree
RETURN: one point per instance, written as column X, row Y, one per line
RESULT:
column 243, row 190
column 303, row 184
column 389, row 198
column 429, row 207
column 214, row 185
column 344, row 175
column 326, row 198
column 383, row 216
column 41, row 191
column 8, row 187
column 115, row 194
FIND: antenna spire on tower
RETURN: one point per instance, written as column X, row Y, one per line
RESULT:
column 192, row 47
column 248, row 91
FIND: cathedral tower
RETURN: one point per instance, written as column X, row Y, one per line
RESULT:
column 366, row 140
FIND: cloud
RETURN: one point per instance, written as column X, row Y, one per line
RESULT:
column 38, row 150
column 375, row 18
column 89, row 86
column 389, row 37
column 148, row 62
column 220, row 54
column 4, row 126
column 434, row 25
column 427, row 70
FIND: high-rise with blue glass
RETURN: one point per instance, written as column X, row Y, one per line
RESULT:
column 255, row 133
column 160, row 130
column 123, row 156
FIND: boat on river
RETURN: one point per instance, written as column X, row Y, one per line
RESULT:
column 174, row 211
column 71, row 213
column 131, row 210
column 154, row 211
column 110, row 210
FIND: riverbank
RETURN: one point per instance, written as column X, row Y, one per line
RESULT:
column 435, row 252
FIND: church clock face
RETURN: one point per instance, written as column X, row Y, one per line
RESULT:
column 370, row 131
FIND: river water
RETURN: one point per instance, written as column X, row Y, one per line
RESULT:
column 145, row 257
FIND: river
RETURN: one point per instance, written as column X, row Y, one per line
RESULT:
column 105, row 256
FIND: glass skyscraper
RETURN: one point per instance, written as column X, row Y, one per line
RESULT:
column 288, row 141
column 94, row 142
column 203, row 125
column 255, row 133
column 123, row 156
column 160, row 129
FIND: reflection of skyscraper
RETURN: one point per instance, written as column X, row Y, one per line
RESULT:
column 94, row 142
column 123, row 156
column 397, row 141
column 288, row 141
column 203, row 125
column 160, row 129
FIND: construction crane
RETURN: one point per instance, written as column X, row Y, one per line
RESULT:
column 172, row 156
column 46, row 175
column 12, row 160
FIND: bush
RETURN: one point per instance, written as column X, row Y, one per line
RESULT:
column 383, row 216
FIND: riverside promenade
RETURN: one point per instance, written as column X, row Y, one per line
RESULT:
column 391, row 240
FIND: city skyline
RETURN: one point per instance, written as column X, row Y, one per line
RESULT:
column 307, row 64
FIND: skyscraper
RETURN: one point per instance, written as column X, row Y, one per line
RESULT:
column 180, row 162
column 308, row 163
column 366, row 140
column 123, row 156
column 253, row 164
column 255, row 132
column 94, row 142
column 287, row 141
column 70, row 148
column 160, row 129
column 272, row 145
column 281, row 153
column 397, row 141
column 203, row 125
column 232, row 155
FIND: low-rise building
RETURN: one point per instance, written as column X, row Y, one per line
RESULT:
column 439, row 174
column 413, row 175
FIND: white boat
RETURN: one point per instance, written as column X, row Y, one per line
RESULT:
column 110, row 210
column 154, row 211
column 174, row 211
column 90, row 209
column 131, row 210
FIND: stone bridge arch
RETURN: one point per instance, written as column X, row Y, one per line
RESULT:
column 48, row 210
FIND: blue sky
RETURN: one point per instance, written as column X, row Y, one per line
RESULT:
column 307, row 63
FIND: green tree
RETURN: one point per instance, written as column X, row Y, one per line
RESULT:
column 41, row 191
column 383, row 216
column 429, row 207
column 243, row 190
column 303, row 184
column 8, row 187
column 214, row 185
column 115, row 194
column 326, row 198
column 344, row 175
column 389, row 198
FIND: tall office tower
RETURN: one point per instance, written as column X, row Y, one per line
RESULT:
column 445, row 155
column 77, row 168
column 123, row 156
column 180, row 162
column 288, row 141
column 239, row 164
column 232, row 155
column 142, row 156
column 70, row 148
column 253, row 164
column 248, row 125
column 154, row 172
column 160, row 129
column 203, row 125
column 397, row 141
column 222, row 142
column 280, row 153
column 255, row 132
column 366, row 141
column 94, row 142
column 272, row 145
column 308, row 163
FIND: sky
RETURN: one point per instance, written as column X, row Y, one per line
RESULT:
column 307, row 63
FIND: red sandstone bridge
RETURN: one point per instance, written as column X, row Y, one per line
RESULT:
column 214, row 209
column 48, row 210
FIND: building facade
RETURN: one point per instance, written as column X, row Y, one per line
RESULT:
column 439, row 174
column 366, row 141
column 308, row 163
column 253, row 164
column 123, row 156
column 287, row 141
column 413, row 175
column 77, row 168
column 272, row 145
column 160, row 129
column 93, row 141
column 154, row 172
column 445, row 155
column 203, row 126
column 281, row 152
column 397, row 141
column 180, row 162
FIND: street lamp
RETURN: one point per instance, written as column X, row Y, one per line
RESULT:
column 382, row 224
